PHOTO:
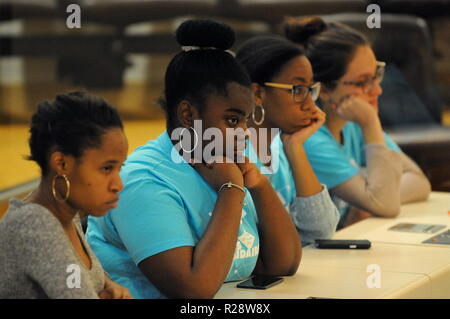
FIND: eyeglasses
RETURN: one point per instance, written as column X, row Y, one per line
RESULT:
column 299, row 92
column 367, row 85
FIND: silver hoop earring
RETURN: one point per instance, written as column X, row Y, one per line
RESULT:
column 196, row 140
column 263, row 113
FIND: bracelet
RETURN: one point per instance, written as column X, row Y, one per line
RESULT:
column 229, row 185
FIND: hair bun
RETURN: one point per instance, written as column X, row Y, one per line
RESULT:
column 300, row 30
column 205, row 34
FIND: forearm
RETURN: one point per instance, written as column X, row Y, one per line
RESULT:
column 213, row 255
column 306, row 181
column 280, row 249
column 199, row 271
column 414, row 185
column 316, row 217
column 373, row 132
column 379, row 191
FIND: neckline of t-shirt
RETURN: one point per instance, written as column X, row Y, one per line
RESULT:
column 328, row 132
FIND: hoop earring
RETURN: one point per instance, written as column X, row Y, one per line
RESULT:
column 54, row 189
column 263, row 113
column 196, row 140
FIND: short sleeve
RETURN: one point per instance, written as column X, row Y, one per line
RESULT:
column 150, row 219
column 329, row 162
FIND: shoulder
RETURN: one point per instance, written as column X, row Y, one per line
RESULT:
column 28, row 218
column 155, row 161
column 31, row 230
column 322, row 144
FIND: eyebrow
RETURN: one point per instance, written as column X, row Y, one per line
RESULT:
column 367, row 74
column 364, row 76
column 111, row 162
column 236, row 111
column 298, row 78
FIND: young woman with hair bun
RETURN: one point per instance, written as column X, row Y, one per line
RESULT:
column 182, row 228
column 79, row 144
column 362, row 167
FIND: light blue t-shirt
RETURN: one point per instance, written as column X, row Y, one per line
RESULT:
column 335, row 163
column 279, row 172
column 164, row 205
column 315, row 216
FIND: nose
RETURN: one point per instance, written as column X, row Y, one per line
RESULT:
column 117, row 184
column 376, row 89
column 308, row 103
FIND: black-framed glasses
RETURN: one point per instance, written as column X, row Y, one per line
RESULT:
column 299, row 92
column 367, row 85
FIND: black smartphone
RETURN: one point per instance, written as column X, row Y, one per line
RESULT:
column 260, row 282
column 343, row 244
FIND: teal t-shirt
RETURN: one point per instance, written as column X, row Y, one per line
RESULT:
column 335, row 163
column 279, row 172
column 165, row 204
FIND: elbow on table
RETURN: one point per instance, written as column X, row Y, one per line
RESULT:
column 280, row 268
column 291, row 270
column 427, row 189
column 294, row 268
column 387, row 211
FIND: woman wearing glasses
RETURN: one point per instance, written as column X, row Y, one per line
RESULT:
column 360, row 164
column 284, row 90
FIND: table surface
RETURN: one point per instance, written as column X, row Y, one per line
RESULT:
column 334, row 282
column 433, row 211
column 408, row 268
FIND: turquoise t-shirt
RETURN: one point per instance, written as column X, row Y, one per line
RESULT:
column 165, row 204
column 279, row 172
column 335, row 163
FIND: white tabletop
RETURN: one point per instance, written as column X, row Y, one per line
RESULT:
column 408, row 268
column 433, row 211
column 432, row 262
column 335, row 282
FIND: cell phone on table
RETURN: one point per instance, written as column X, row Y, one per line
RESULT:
column 260, row 282
column 343, row 243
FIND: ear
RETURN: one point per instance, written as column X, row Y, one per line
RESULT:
column 324, row 93
column 326, row 96
column 258, row 92
column 186, row 113
column 61, row 163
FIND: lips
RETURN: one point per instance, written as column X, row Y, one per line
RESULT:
column 374, row 102
column 113, row 202
column 307, row 120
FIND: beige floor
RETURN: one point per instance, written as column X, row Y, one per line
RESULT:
column 14, row 169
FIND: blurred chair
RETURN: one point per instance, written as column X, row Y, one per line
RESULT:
column 404, row 43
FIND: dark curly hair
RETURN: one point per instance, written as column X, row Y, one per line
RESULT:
column 196, row 74
column 70, row 124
